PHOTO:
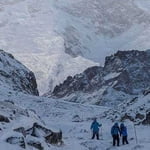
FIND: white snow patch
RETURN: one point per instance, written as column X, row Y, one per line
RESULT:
column 143, row 4
column 111, row 76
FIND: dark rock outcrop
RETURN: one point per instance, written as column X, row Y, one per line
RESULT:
column 54, row 138
column 15, row 75
column 124, row 75
column 4, row 119
column 81, row 82
column 17, row 141
column 50, row 136
column 147, row 119
column 36, row 145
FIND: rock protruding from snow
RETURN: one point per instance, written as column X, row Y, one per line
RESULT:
column 25, row 129
column 15, row 76
column 124, row 75
column 136, row 110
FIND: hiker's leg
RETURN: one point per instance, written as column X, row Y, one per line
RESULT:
column 118, row 140
column 123, row 140
column 126, row 140
column 93, row 135
column 97, row 135
column 114, row 140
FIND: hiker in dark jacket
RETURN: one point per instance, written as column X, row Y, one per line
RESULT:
column 115, row 131
column 124, row 134
column 95, row 128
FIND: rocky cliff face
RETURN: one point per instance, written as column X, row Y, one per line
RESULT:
column 124, row 75
column 15, row 76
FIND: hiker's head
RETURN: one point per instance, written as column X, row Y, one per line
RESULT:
column 122, row 125
column 116, row 124
column 95, row 119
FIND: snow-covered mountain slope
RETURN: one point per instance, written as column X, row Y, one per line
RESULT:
column 91, row 29
column 15, row 76
column 53, row 69
column 125, row 74
column 136, row 110
column 97, row 28
column 43, row 25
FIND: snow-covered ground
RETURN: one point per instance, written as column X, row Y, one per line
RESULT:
column 85, row 28
column 74, row 120
column 145, row 5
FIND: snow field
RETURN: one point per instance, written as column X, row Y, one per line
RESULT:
column 75, row 119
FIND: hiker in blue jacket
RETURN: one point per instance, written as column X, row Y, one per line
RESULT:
column 95, row 128
column 124, row 134
column 115, row 131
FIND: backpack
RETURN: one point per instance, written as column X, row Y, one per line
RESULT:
column 115, row 130
column 124, row 131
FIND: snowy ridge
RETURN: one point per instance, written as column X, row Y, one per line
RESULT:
column 15, row 76
column 124, row 75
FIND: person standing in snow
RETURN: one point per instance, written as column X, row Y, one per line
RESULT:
column 115, row 131
column 123, row 132
column 95, row 128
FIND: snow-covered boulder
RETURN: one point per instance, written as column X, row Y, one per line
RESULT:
column 15, row 76
column 25, row 129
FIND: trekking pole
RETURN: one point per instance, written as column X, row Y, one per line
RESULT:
column 135, row 134
column 91, row 134
column 101, row 133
